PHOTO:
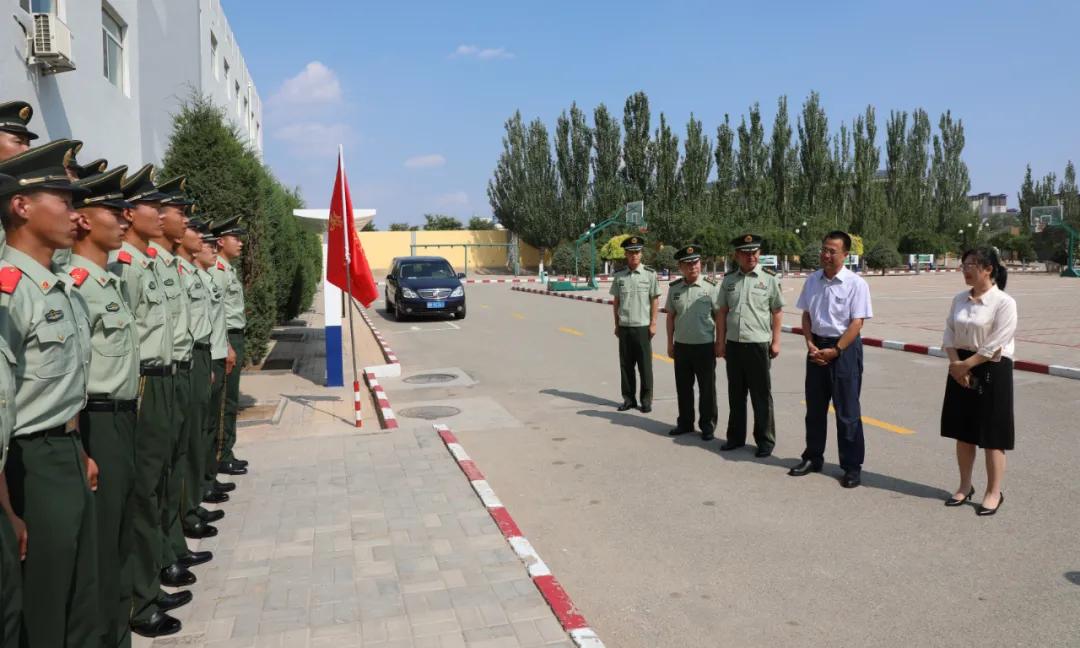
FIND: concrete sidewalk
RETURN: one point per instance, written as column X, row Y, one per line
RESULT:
column 346, row 538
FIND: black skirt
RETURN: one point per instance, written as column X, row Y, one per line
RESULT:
column 982, row 415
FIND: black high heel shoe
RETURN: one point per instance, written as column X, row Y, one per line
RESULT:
column 952, row 501
column 982, row 510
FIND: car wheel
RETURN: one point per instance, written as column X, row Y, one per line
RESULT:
column 386, row 302
column 459, row 316
column 399, row 314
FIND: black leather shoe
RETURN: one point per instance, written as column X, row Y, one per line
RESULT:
column 728, row 445
column 646, row 408
column 851, row 479
column 762, row 452
column 209, row 516
column 243, row 463
column 804, row 467
column 982, row 511
column 166, row 602
column 676, row 431
column 213, row 497
column 158, row 624
column 952, row 501
column 707, row 436
column 192, row 558
column 231, row 468
column 200, row 530
column 223, row 487
column 626, row 406
column 176, row 575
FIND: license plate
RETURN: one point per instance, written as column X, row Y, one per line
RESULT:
column 438, row 304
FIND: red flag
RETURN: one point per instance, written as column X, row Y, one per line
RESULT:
column 341, row 221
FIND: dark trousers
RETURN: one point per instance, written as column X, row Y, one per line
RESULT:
column 635, row 354
column 109, row 438
column 696, row 362
column 195, row 465
column 46, row 479
column 841, row 382
column 172, row 512
column 232, row 400
column 212, row 422
column 153, row 450
column 10, row 585
column 748, row 371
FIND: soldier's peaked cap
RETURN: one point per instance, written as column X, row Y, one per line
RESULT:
column 747, row 242
column 42, row 167
column 14, row 116
column 139, row 187
column 84, row 171
column 174, row 192
column 690, row 252
column 228, row 227
column 633, row 243
column 106, row 189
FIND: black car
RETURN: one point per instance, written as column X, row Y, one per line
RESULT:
column 424, row 285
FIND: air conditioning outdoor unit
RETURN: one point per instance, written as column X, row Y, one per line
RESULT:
column 52, row 44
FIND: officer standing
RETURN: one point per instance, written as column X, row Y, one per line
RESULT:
column 230, row 245
column 49, row 477
column 11, row 553
column 692, row 342
column 15, row 137
column 751, row 310
column 637, row 296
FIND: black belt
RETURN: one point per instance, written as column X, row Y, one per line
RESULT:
column 236, row 331
column 821, row 339
column 66, row 429
column 202, row 346
column 157, row 370
column 183, row 365
column 111, row 405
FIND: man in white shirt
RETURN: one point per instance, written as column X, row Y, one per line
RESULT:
column 835, row 302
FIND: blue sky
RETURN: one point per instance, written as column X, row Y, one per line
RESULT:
column 418, row 91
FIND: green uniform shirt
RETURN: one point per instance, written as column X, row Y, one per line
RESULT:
column 219, row 336
column 114, row 338
column 225, row 276
column 635, row 290
column 693, row 307
column 50, row 345
column 198, row 299
column 7, row 399
column 141, row 289
column 750, row 299
column 177, row 303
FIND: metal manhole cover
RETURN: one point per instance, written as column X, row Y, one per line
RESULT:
column 427, row 379
column 278, row 364
column 429, row 412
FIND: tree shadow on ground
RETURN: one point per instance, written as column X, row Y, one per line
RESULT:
column 580, row 397
column 1073, row 577
column 310, row 400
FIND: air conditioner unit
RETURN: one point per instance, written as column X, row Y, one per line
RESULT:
column 52, row 44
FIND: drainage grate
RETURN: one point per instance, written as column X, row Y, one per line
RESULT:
column 278, row 364
column 429, row 412
column 427, row 379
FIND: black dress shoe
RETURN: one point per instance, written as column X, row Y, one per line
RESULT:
column 762, row 452
column 676, row 431
column 804, row 467
column 952, row 501
column 231, row 468
column 176, row 575
column 707, row 436
column 213, row 497
column 983, row 511
column 730, row 445
column 223, row 487
column 192, row 558
column 200, row 530
column 209, row 516
column 243, row 463
column 626, row 406
column 851, row 479
column 645, row 409
column 158, row 624
column 166, row 602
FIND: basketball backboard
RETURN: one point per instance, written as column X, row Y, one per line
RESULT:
column 1046, row 216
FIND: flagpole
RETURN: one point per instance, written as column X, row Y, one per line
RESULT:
column 345, row 221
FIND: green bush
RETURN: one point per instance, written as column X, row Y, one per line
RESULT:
column 810, row 259
column 662, row 259
column 925, row 243
column 562, row 260
column 883, row 255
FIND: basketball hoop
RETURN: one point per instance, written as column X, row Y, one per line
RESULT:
column 1045, row 216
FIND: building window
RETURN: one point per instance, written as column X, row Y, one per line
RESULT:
column 227, row 87
column 238, row 97
column 213, row 55
column 112, row 43
column 38, row 6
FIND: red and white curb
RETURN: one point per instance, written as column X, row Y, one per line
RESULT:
column 565, row 611
column 388, row 353
column 386, row 414
column 1059, row 371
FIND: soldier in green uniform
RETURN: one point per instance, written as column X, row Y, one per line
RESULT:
column 230, row 245
column 142, row 290
column 751, row 305
column 48, row 475
column 15, row 137
column 12, row 547
column 637, row 296
column 692, row 342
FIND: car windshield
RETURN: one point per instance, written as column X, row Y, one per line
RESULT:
column 427, row 270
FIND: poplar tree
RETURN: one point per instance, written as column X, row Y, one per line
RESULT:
column 638, row 163
column 573, row 151
column 607, row 193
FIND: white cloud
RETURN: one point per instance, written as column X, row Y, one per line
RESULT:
column 484, row 54
column 314, row 139
column 316, row 84
column 455, row 199
column 429, row 161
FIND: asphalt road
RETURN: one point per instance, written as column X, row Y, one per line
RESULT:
column 667, row 542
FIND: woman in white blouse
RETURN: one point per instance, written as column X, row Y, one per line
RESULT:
column 978, row 409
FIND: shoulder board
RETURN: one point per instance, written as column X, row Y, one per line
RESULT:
column 220, row 265
column 648, row 268
column 769, row 271
column 9, row 278
column 79, row 275
column 123, row 256
column 151, row 252
column 709, row 281
column 676, row 281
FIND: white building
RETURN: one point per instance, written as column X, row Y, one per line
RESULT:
column 986, row 204
column 113, row 72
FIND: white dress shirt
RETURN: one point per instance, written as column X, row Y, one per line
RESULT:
column 985, row 325
column 834, row 303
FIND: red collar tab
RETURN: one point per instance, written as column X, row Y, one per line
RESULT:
column 123, row 256
column 9, row 278
column 79, row 275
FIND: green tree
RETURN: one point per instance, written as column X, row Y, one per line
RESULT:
column 949, row 173
column 866, row 208
column 573, row 148
column 663, row 209
column 694, row 173
column 478, row 223
column 839, row 180
column 916, row 191
column 780, row 165
column 607, row 187
column 441, row 222
column 813, row 158
column 723, row 203
column 751, row 164
column 1069, row 196
column 638, row 164
column 506, row 190
column 369, row 227
column 612, row 250
column 399, row 227
column 895, row 149
column 883, row 256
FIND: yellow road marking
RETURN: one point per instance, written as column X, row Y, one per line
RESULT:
column 567, row 329
column 517, row 316
column 483, row 306
column 884, row 425
column 663, row 357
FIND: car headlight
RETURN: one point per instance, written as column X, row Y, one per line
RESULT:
column 458, row 292
column 409, row 293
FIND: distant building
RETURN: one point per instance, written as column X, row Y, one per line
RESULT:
column 985, row 204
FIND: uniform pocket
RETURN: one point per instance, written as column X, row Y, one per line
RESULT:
column 114, row 340
column 57, row 350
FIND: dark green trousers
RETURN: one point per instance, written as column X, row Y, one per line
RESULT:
column 10, row 585
column 46, row 479
column 696, row 362
column 748, row 366
column 212, row 423
column 172, row 513
column 109, row 438
column 153, row 449
column 232, row 400
column 195, row 469
column 635, row 354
